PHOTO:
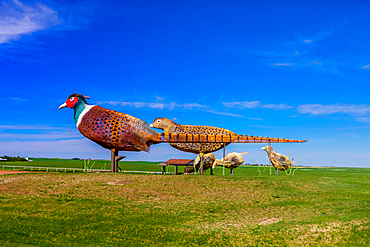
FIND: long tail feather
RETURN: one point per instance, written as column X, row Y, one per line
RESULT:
column 195, row 138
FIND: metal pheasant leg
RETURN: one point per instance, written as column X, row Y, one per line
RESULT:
column 114, row 160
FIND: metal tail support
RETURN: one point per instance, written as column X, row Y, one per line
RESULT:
column 114, row 160
column 223, row 162
column 195, row 138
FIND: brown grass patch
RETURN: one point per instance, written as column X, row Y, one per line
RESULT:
column 119, row 182
column 269, row 221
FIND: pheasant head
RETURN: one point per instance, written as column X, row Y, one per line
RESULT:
column 268, row 149
column 163, row 123
column 77, row 102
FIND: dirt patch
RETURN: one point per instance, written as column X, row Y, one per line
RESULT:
column 269, row 221
column 119, row 182
column 12, row 172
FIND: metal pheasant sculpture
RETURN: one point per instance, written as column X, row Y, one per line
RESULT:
column 210, row 139
column 169, row 126
column 110, row 129
column 279, row 161
column 122, row 132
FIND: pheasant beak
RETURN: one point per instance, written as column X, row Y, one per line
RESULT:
column 151, row 125
column 62, row 106
column 264, row 148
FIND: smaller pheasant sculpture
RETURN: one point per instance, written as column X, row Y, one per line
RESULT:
column 279, row 161
column 214, row 138
column 169, row 126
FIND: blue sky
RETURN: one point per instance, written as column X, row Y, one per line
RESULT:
column 288, row 69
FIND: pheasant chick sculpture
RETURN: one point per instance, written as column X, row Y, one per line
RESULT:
column 279, row 161
column 232, row 160
column 208, row 160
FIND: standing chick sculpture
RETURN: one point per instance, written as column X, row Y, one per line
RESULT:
column 232, row 160
column 279, row 161
column 208, row 160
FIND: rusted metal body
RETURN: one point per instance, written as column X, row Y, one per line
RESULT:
column 203, row 139
column 191, row 138
column 116, row 130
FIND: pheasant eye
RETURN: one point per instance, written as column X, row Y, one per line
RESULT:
column 158, row 121
column 72, row 99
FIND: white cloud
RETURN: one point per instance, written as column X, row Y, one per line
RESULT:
column 366, row 67
column 191, row 105
column 154, row 105
column 277, row 107
column 256, row 104
column 363, row 119
column 225, row 113
column 19, row 99
column 318, row 109
column 243, row 104
column 41, row 136
column 266, row 127
column 319, row 36
column 17, row 19
column 36, row 132
column 159, row 98
column 31, row 127
column 283, row 64
column 315, row 62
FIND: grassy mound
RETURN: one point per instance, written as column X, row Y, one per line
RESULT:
column 317, row 206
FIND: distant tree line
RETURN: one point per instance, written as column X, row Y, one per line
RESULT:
column 247, row 164
column 9, row 158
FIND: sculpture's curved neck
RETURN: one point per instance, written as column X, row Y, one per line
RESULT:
column 78, row 107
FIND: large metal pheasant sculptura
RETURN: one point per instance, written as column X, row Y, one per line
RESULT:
column 121, row 132
column 215, row 138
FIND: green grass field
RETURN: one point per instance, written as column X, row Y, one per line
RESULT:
column 315, row 207
column 79, row 164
